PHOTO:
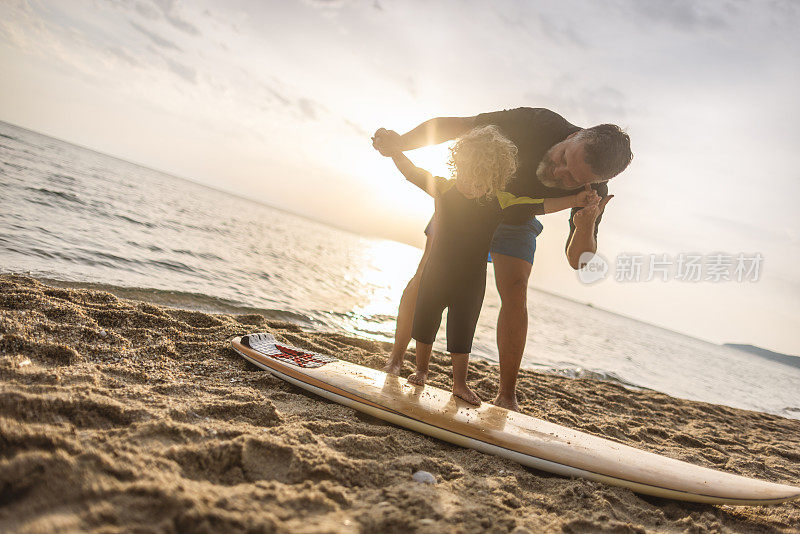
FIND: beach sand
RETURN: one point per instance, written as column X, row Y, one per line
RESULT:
column 123, row 415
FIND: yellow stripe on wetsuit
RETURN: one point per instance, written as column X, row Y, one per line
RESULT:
column 507, row 199
column 504, row 198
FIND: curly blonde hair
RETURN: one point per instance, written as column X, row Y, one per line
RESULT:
column 483, row 160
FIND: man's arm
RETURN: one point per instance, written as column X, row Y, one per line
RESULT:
column 581, row 240
column 430, row 132
column 435, row 131
column 583, row 231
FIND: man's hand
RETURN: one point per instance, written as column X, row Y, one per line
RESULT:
column 387, row 142
column 587, row 215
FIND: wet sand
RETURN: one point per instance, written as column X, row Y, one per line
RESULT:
column 120, row 415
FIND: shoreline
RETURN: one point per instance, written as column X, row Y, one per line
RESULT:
column 218, row 305
column 147, row 418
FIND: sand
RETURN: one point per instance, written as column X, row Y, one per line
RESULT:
column 121, row 415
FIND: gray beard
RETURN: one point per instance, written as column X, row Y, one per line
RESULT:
column 544, row 174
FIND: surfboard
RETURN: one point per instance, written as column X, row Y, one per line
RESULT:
column 491, row 429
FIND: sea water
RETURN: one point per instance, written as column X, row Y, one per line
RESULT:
column 71, row 214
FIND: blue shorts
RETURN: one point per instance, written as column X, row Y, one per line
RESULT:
column 516, row 240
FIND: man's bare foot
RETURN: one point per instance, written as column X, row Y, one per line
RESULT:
column 467, row 395
column 393, row 367
column 418, row 378
column 508, row 404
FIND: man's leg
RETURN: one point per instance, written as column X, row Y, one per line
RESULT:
column 405, row 316
column 511, row 276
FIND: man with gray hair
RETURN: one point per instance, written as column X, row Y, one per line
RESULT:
column 555, row 158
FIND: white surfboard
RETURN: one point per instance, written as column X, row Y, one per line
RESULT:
column 530, row 441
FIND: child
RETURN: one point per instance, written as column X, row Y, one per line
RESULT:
column 468, row 209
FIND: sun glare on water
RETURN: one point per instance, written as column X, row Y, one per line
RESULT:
column 385, row 267
column 385, row 270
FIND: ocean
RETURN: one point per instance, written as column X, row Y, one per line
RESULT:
column 74, row 215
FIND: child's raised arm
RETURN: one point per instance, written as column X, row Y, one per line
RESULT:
column 419, row 177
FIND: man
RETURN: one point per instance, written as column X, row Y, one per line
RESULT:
column 555, row 158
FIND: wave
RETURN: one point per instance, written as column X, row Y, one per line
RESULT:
column 129, row 219
column 201, row 255
column 13, row 165
column 61, row 178
column 603, row 376
column 61, row 195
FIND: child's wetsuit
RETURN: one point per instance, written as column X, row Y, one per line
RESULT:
column 454, row 277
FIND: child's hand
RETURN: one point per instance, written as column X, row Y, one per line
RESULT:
column 586, row 197
column 387, row 142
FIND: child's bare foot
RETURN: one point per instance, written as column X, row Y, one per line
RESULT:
column 418, row 378
column 393, row 367
column 467, row 395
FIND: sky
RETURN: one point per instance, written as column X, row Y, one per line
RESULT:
column 277, row 101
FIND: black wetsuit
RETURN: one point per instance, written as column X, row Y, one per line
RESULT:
column 454, row 277
column 534, row 131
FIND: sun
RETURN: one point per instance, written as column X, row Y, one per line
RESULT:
column 432, row 158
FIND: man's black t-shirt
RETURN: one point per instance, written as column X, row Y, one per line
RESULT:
column 534, row 131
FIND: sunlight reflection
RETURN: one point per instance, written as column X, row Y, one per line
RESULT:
column 385, row 269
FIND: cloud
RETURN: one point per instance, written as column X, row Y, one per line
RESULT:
column 356, row 128
column 328, row 4
column 155, row 38
column 170, row 10
column 681, row 14
column 184, row 71
column 560, row 34
column 146, row 10
column 123, row 55
column 278, row 96
column 308, row 108
column 602, row 103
